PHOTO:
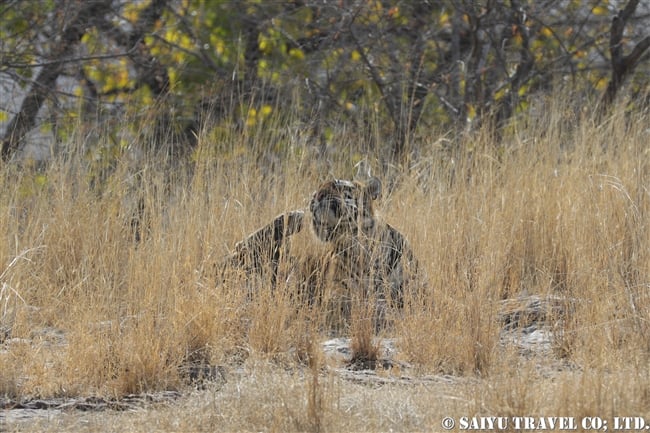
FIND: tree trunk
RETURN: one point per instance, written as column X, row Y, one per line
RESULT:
column 45, row 81
column 622, row 66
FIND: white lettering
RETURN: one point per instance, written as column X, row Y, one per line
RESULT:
column 629, row 423
column 551, row 423
column 567, row 423
column 483, row 423
column 543, row 423
column 592, row 423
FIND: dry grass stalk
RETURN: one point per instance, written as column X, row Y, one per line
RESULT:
column 554, row 212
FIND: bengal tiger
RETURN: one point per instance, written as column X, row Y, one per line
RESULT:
column 358, row 253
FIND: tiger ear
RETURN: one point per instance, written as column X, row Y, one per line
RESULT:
column 373, row 188
column 363, row 170
column 364, row 176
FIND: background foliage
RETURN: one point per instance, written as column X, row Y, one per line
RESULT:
column 169, row 70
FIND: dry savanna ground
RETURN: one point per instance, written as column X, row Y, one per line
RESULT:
column 536, row 250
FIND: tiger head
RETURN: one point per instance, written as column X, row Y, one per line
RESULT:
column 343, row 208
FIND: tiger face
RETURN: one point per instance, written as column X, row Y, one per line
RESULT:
column 342, row 208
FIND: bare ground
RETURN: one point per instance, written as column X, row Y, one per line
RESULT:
column 334, row 395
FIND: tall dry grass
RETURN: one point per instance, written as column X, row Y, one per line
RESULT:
column 558, row 208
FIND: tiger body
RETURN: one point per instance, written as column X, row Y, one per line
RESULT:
column 348, row 254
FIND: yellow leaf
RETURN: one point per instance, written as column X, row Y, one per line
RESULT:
column 3, row 116
column 131, row 14
column 601, row 84
column 355, row 56
column 186, row 42
column 500, row 94
column 40, row 180
column 172, row 36
column 266, row 110
column 599, row 10
column 471, row 112
column 173, row 76
column 444, row 19
column 122, row 78
column 109, row 84
column 329, row 133
column 265, row 46
column 522, row 90
column 296, row 53
column 218, row 44
column 145, row 96
column 263, row 65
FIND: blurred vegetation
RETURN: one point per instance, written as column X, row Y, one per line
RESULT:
column 167, row 72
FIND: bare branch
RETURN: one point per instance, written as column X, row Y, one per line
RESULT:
column 70, row 60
